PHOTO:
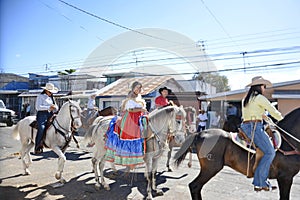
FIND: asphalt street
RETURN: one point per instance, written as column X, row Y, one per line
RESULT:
column 228, row 184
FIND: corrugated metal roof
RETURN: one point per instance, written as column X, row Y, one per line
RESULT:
column 121, row 87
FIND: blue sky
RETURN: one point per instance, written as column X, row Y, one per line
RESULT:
column 39, row 32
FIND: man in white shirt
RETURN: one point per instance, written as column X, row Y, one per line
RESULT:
column 202, row 118
column 45, row 106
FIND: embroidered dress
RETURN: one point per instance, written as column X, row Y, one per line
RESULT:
column 124, row 144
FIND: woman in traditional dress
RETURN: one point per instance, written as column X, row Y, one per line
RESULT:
column 125, row 146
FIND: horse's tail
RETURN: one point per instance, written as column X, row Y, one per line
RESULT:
column 180, row 155
column 15, row 133
column 89, row 134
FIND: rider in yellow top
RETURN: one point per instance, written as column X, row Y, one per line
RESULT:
column 254, row 106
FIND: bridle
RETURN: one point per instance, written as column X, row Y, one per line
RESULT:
column 171, row 126
column 67, row 133
column 190, row 122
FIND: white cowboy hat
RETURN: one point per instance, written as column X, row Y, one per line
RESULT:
column 50, row 87
column 259, row 80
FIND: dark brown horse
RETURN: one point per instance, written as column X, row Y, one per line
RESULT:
column 216, row 150
column 87, row 122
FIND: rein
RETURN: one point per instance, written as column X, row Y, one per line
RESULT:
column 67, row 134
column 286, row 153
column 155, row 132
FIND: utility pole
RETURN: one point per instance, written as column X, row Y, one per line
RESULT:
column 244, row 53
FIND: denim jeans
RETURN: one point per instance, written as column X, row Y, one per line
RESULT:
column 263, row 142
column 200, row 128
column 41, row 118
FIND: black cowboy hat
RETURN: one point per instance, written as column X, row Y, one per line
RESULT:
column 164, row 88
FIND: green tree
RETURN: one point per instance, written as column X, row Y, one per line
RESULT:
column 66, row 72
column 215, row 79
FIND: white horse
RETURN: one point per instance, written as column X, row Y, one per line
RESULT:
column 161, row 123
column 190, row 126
column 58, row 135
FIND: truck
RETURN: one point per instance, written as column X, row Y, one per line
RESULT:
column 7, row 116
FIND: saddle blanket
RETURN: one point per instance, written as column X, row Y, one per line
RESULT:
column 276, row 140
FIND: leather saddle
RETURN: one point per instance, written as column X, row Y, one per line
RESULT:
column 50, row 120
column 259, row 153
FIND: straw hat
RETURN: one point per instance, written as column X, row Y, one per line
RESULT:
column 259, row 80
column 50, row 87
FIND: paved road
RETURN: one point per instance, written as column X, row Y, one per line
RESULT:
column 80, row 182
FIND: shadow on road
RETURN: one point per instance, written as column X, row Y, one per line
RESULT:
column 74, row 156
column 82, row 187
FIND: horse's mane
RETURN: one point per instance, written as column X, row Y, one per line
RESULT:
column 161, row 111
column 292, row 118
column 74, row 103
column 290, row 123
column 190, row 108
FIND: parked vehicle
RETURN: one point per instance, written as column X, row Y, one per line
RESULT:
column 6, row 115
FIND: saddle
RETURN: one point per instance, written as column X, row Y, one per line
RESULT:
column 143, row 124
column 34, row 125
column 242, row 140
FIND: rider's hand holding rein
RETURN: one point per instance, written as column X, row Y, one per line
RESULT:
column 53, row 107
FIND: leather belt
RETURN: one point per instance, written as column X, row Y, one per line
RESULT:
column 254, row 121
column 43, row 111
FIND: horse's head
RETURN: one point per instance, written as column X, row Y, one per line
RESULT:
column 74, row 112
column 191, row 117
column 170, row 119
column 179, row 124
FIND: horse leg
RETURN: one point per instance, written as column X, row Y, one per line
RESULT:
column 208, row 170
column 101, row 167
column 148, row 174
column 61, row 162
column 95, row 163
column 113, row 167
column 158, row 192
column 190, row 158
column 23, row 158
column 284, row 183
column 169, row 157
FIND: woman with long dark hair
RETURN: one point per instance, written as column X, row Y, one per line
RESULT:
column 254, row 106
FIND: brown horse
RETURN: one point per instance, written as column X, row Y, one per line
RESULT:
column 87, row 122
column 216, row 150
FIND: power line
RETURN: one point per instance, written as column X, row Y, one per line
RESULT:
column 288, row 50
column 114, row 23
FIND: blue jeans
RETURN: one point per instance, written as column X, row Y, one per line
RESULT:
column 200, row 128
column 41, row 117
column 263, row 142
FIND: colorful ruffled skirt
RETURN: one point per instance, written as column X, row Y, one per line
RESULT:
column 124, row 143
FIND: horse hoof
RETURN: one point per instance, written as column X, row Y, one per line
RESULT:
column 62, row 181
column 170, row 169
column 27, row 172
column 189, row 165
column 149, row 198
column 97, row 186
column 106, row 187
column 159, row 192
column 57, row 175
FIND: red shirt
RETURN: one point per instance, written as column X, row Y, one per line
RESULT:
column 161, row 101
